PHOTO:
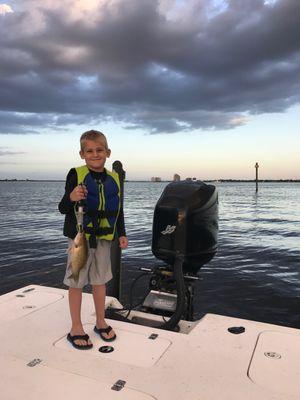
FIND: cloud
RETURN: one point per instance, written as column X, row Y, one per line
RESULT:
column 5, row 8
column 164, row 66
column 5, row 152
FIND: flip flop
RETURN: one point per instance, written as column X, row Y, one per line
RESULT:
column 72, row 339
column 100, row 331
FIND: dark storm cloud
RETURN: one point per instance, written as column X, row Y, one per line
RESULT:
column 162, row 66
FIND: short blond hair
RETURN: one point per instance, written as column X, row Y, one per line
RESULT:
column 92, row 135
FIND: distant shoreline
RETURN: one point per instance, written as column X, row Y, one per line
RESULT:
column 166, row 181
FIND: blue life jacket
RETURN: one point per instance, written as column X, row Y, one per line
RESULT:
column 102, row 205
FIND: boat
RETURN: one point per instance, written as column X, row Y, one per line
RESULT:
column 216, row 357
column 153, row 357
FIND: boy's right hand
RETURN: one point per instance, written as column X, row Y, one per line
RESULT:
column 78, row 193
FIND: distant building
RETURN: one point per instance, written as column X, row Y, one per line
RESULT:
column 156, row 179
column 188, row 179
column 176, row 178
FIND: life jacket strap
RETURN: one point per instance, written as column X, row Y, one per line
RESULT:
column 99, row 231
column 93, row 242
column 102, row 213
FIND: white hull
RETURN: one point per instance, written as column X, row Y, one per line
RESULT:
column 206, row 362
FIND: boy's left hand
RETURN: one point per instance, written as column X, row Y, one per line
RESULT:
column 123, row 242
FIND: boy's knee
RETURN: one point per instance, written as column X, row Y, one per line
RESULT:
column 75, row 290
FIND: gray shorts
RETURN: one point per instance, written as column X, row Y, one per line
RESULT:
column 97, row 270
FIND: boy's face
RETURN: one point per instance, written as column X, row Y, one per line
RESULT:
column 95, row 154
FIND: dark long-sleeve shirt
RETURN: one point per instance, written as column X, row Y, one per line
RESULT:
column 66, row 205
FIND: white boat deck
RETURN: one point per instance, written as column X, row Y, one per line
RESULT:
column 206, row 363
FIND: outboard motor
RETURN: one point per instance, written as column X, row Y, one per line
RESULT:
column 186, row 222
column 185, row 231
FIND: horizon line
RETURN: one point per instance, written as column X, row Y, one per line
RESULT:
column 163, row 180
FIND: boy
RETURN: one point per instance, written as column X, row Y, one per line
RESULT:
column 100, row 191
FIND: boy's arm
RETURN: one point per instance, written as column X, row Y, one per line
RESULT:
column 123, row 242
column 66, row 205
column 121, row 223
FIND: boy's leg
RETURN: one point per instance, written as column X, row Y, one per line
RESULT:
column 75, row 298
column 99, row 292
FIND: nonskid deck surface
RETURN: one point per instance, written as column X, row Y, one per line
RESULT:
column 207, row 363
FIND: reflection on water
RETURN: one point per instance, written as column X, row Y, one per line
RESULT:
column 254, row 275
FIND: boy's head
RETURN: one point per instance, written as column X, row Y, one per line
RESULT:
column 94, row 150
column 94, row 136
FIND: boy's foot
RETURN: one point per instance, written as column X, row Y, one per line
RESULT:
column 107, row 333
column 81, row 342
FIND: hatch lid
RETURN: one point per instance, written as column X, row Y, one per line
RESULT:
column 24, row 302
column 276, row 362
column 128, row 348
column 36, row 381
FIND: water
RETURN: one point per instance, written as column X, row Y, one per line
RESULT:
column 255, row 274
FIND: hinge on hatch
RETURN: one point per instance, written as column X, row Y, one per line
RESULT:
column 34, row 362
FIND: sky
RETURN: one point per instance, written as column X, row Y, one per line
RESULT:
column 201, row 88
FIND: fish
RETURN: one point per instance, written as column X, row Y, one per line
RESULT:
column 78, row 254
column 79, row 249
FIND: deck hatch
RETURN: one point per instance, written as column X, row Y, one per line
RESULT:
column 20, row 305
column 128, row 347
column 275, row 364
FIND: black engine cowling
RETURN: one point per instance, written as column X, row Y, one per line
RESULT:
column 186, row 222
